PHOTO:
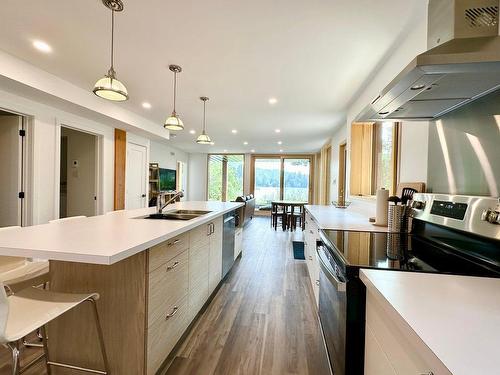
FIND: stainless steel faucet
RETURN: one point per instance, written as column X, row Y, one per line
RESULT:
column 160, row 207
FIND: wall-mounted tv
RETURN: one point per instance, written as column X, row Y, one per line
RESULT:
column 168, row 179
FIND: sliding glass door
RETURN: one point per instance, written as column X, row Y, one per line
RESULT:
column 277, row 177
column 225, row 177
column 296, row 179
column 267, row 181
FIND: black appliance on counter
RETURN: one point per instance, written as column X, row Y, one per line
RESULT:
column 450, row 234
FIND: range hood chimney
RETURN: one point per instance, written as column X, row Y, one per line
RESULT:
column 461, row 65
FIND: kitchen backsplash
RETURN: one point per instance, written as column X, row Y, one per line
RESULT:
column 464, row 150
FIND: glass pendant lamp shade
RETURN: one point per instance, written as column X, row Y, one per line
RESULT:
column 203, row 138
column 173, row 122
column 109, row 87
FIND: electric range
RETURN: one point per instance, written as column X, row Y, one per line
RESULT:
column 449, row 234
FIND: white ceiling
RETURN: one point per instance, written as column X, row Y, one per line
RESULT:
column 312, row 55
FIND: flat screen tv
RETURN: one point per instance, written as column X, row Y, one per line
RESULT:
column 168, row 179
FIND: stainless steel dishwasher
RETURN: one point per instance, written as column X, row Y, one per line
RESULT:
column 228, row 242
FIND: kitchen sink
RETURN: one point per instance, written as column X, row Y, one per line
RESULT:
column 178, row 215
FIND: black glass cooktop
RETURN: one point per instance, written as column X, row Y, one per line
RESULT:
column 436, row 251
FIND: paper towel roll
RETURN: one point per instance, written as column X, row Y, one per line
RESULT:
column 382, row 207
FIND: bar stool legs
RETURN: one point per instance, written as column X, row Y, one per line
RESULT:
column 14, row 347
column 101, row 344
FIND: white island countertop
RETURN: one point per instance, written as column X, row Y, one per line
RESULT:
column 330, row 217
column 104, row 239
column 457, row 317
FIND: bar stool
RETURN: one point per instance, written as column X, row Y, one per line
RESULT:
column 32, row 309
column 66, row 219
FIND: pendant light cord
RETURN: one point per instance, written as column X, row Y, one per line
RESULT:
column 204, row 128
column 175, row 89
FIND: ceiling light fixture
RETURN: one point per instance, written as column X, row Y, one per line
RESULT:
column 277, row 131
column 281, row 150
column 273, row 100
column 109, row 87
column 192, row 131
column 279, row 142
column 203, row 138
column 42, row 46
column 146, row 105
column 245, row 143
column 252, row 150
column 234, row 131
column 174, row 122
column 225, row 150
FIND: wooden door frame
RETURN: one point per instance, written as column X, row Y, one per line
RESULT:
column 342, row 178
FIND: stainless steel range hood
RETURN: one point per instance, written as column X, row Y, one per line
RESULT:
column 462, row 64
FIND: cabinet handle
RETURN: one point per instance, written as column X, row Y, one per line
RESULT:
column 174, row 243
column 169, row 268
column 317, row 283
column 427, row 373
column 174, row 311
column 209, row 228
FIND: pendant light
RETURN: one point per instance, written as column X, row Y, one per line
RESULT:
column 174, row 122
column 203, row 138
column 109, row 87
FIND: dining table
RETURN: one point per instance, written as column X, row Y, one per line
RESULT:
column 289, row 206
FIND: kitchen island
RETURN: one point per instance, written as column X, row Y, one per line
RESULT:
column 153, row 277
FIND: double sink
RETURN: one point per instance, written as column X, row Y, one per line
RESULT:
column 177, row 215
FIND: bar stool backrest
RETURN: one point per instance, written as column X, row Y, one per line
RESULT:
column 8, row 263
column 4, row 313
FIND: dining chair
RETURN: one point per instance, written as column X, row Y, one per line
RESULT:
column 297, row 212
column 33, row 308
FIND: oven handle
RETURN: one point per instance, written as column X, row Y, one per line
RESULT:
column 329, row 272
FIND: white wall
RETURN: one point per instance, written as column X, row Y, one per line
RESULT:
column 414, row 144
column 9, row 170
column 197, row 177
column 408, row 47
column 44, row 134
column 167, row 156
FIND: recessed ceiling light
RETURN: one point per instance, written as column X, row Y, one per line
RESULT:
column 273, row 100
column 281, row 150
column 245, row 143
column 277, row 131
column 279, row 142
column 225, row 150
column 192, row 131
column 42, row 46
column 252, row 150
column 146, row 105
column 234, row 131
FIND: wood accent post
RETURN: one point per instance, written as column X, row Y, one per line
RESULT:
column 120, row 163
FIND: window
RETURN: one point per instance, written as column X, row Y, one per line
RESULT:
column 374, row 150
column 225, row 177
column 277, row 177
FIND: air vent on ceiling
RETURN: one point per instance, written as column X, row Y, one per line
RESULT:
column 482, row 17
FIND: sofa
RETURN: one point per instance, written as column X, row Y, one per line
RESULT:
column 248, row 210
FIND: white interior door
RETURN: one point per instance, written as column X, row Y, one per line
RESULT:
column 136, row 177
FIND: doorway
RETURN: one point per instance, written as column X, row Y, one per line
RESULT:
column 342, row 172
column 12, row 169
column 136, row 176
column 78, row 173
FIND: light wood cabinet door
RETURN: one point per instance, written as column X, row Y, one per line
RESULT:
column 238, row 242
column 376, row 361
column 198, row 276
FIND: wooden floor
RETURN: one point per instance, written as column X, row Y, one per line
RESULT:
column 263, row 319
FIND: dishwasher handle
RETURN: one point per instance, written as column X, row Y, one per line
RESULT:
column 329, row 272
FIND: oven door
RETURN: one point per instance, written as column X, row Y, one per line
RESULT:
column 333, row 309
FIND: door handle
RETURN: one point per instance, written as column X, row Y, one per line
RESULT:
column 174, row 311
column 143, row 196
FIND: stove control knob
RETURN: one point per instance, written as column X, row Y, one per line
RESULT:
column 418, row 205
column 491, row 216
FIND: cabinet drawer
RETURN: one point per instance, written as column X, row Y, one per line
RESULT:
column 164, row 334
column 405, row 351
column 167, row 285
column 162, row 253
